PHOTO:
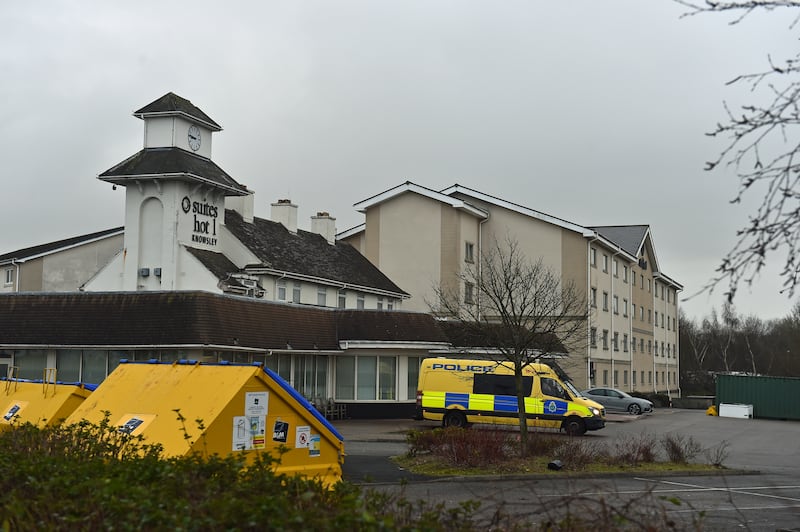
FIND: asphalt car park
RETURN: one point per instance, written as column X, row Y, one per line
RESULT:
column 759, row 491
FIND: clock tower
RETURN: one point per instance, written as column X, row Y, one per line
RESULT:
column 174, row 196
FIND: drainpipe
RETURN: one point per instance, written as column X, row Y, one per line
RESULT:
column 589, row 310
column 480, row 256
column 15, row 264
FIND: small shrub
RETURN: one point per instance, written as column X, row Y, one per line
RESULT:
column 463, row 448
column 576, row 454
column 660, row 400
column 679, row 448
column 717, row 454
column 632, row 450
column 540, row 444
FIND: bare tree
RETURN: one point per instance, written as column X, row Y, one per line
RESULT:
column 763, row 145
column 521, row 308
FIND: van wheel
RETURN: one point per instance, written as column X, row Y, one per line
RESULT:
column 455, row 419
column 574, row 426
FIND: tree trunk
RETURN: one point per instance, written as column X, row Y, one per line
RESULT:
column 523, row 418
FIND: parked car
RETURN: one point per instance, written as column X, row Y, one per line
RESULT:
column 618, row 401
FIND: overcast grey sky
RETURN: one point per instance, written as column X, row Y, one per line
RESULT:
column 593, row 111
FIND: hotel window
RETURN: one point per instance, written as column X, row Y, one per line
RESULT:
column 641, row 281
column 468, row 293
column 625, row 307
column 662, row 320
column 616, row 268
column 669, row 324
column 390, row 304
column 624, row 273
column 669, row 354
column 605, row 377
column 633, row 277
column 633, row 377
column 469, row 252
column 615, row 341
column 650, row 377
column 605, row 301
column 656, row 318
column 593, row 257
column 649, row 346
column 605, row 263
column 10, row 276
column 593, row 297
column 593, row 336
column 342, row 298
column 649, row 316
column 633, row 344
column 616, row 377
column 280, row 291
column 296, row 292
column 641, row 313
column 605, row 339
column 633, row 310
column 616, row 305
column 656, row 377
column 360, row 301
column 625, row 344
column 655, row 347
column 322, row 296
column 380, row 303
column 625, row 377
column 366, row 378
column 641, row 348
column 662, row 349
column 648, row 285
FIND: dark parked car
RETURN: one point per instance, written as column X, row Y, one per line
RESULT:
column 618, row 401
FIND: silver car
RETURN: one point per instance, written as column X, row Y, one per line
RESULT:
column 618, row 401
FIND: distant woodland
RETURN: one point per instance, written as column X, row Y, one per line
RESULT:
column 726, row 341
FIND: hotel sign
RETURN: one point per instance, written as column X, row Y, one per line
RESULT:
column 204, row 220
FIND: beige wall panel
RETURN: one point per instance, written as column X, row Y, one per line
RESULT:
column 410, row 242
column 67, row 270
column 30, row 276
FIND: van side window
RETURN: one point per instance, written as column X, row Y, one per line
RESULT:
column 500, row 384
column 553, row 388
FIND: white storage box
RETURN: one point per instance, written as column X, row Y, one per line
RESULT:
column 736, row 410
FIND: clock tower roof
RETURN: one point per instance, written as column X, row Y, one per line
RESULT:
column 173, row 105
column 172, row 163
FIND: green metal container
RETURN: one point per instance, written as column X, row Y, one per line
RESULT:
column 771, row 397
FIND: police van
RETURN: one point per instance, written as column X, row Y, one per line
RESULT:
column 461, row 392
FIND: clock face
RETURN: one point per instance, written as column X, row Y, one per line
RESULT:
column 194, row 138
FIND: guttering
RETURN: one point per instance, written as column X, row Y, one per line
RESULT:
column 378, row 344
column 282, row 274
column 136, row 347
column 123, row 180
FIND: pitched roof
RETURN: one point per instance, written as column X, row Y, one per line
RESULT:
column 408, row 186
column 217, row 263
column 388, row 326
column 173, row 105
column 51, row 247
column 307, row 254
column 171, row 163
column 196, row 318
column 629, row 237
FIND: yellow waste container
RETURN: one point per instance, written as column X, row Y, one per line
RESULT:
column 38, row 402
column 243, row 408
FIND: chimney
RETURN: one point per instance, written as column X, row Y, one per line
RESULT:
column 241, row 204
column 285, row 212
column 323, row 224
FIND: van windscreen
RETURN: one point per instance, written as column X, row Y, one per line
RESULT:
column 500, row 384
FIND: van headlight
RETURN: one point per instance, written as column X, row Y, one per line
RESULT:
column 595, row 412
